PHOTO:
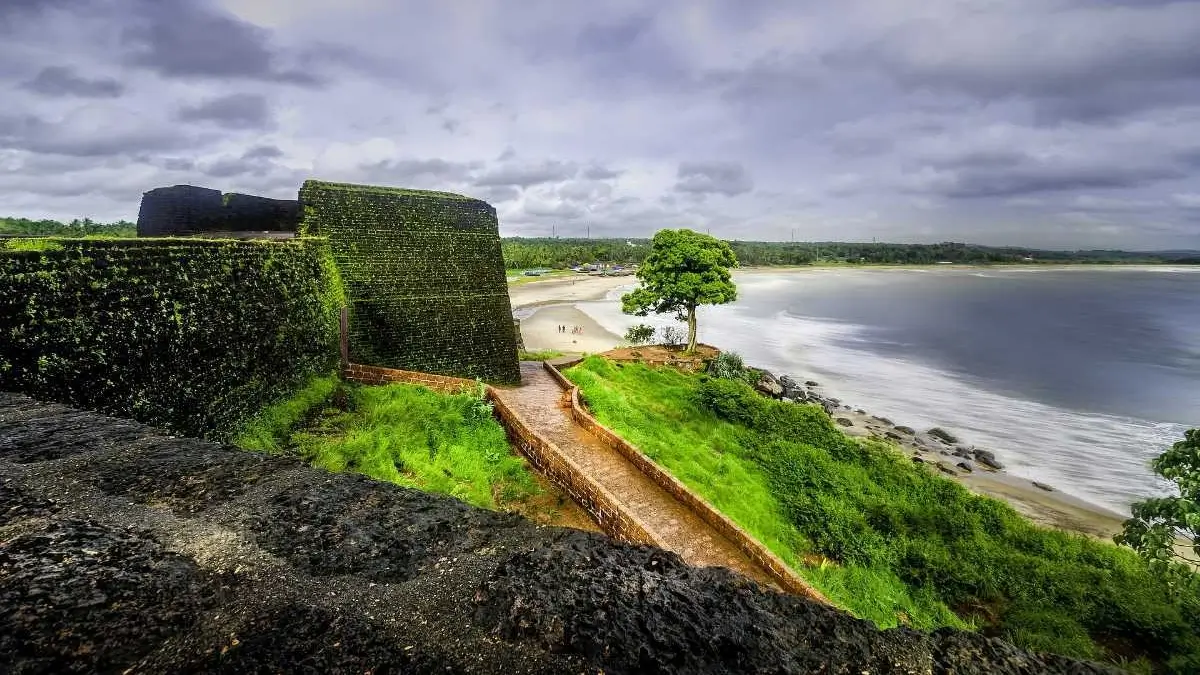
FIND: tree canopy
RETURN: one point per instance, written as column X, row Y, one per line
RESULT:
column 526, row 253
column 76, row 228
column 683, row 270
column 1160, row 523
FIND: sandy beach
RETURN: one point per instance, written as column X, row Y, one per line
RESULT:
column 564, row 290
column 549, row 304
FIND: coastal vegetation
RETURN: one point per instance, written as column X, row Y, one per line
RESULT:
column 400, row 433
column 684, row 270
column 525, row 253
column 885, row 538
column 539, row 355
column 1166, row 530
column 85, row 227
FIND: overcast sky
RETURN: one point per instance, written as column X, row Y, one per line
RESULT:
column 1059, row 123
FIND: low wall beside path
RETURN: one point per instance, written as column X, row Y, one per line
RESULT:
column 609, row 512
column 751, row 547
column 545, row 456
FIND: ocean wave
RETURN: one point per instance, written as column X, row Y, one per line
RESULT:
column 1100, row 458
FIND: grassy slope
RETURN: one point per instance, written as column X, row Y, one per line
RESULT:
column 400, row 433
column 907, row 546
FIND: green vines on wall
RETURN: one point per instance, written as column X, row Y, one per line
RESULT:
column 190, row 334
column 424, row 276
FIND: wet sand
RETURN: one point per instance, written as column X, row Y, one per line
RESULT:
column 540, row 331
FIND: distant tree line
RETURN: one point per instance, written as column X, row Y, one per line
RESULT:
column 524, row 253
column 80, row 227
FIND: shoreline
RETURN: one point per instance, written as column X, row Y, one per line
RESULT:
column 976, row 469
column 552, row 302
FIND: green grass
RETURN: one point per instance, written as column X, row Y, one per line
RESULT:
column 522, row 279
column 885, row 539
column 403, row 434
column 31, row 245
column 541, row 355
column 271, row 429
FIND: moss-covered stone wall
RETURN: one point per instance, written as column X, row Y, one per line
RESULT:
column 424, row 277
column 189, row 334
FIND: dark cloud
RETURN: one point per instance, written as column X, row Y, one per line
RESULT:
column 527, row 175
column 232, row 111
column 190, row 39
column 77, row 136
column 1009, row 180
column 63, row 81
column 496, row 194
column 177, row 164
column 404, row 171
column 231, row 166
column 1059, row 123
column 597, row 172
column 263, row 152
column 702, row 178
column 1090, row 61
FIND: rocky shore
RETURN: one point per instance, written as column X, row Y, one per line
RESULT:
column 123, row 549
column 941, row 451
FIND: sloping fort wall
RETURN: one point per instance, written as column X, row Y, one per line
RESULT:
column 194, row 335
column 424, row 277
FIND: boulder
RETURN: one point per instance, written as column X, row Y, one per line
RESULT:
column 894, row 436
column 885, row 420
column 983, row 453
column 844, row 422
column 811, row 383
column 942, row 435
column 906, row 430
column 830, row 409
column 989, row 462
column 769, row 386
column 946, row 470
column 917, row 459
column 965, row 466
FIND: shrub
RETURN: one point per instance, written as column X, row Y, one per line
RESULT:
column 729, row 366
column 895, row 543
column 672, row 336
column 639, row 334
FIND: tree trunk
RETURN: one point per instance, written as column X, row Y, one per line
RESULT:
column 691, row 328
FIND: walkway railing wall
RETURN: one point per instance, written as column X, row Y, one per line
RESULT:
column 755, row 550
column 606, row 510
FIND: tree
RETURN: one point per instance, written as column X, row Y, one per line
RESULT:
column 683, row 270
column 1159, row 523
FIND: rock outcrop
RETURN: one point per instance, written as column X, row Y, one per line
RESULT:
column 124, row 549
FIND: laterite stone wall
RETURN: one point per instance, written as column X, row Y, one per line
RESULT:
column 188, row 209
column 424, row 277
column 193, row 335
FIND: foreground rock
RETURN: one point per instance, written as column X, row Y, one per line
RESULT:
column 122, row 549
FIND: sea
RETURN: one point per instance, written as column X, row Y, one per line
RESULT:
column 1076, row 377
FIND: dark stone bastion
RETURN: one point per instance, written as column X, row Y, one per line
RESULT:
column 125, row 549
column 188, row 209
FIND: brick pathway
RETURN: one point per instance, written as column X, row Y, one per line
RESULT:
column 539, row 401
